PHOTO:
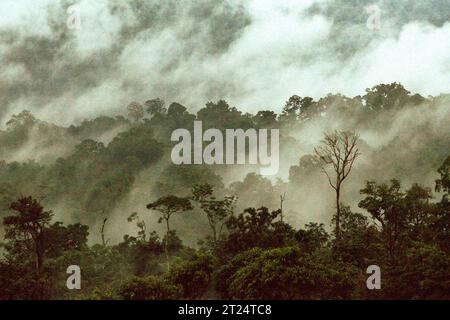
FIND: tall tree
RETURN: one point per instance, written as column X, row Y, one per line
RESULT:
column 255, row 228
column 135, row 111
column 443, row 184
column 155, row 106
column 385, row 204
column 339, row 148
column 168, row 206
column 102, row 232
column 216, row 210
column 27, row 226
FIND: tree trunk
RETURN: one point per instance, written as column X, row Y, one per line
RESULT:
column 213, row 227
column 38, row 262
column 166, row 244
column 103, row 232
column 338, row 217
column 38, row 256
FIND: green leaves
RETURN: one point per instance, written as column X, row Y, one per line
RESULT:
column 170, row 204
column 149, row 288
column 286, row 273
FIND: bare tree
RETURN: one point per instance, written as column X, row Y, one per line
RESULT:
column 338, row 148
column 282, row 199
column 102, row 232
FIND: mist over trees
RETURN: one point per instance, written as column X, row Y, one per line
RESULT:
column 223, row 233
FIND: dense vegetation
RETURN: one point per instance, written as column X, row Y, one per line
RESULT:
column 247, row 246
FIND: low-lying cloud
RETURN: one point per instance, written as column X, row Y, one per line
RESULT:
column 254, row 53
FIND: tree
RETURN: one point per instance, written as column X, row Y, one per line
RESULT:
column 155, row 107
column 168, row 206
column 58, row 238
column 387, row 96
column 308, row 164
column 257, row 190
column 143, row 256
column 180, row 179
column 265, row 119
column 193, row 275
column 339, row 148
column 285, row 273
column 307, row 108
column 443, row 184
column 255, row 228
column 27, row 227
column 18, row 283
column 312, row 237
column 216, row 210
column 419, row 211
column 384, row 203
column 291, row 109
column 298, row 108
column 142, row 233
column 88, row 148
column 424, row 274
column 149, row 288
column 176, row 110
column 361, row 243
column 24, row 119
column 102, row 232
column 135, row 111
column 221, row 116
column 441, row 225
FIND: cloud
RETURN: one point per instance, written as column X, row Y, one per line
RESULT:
column 253, row 53
column 419, row 58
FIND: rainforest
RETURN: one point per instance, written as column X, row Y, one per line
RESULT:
column 224, row 150
column 105, row 196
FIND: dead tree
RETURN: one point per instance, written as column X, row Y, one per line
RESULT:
column 282, row 198
column 102, row 232
column 339, row 148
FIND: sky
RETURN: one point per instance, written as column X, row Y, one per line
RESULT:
column 255, row 54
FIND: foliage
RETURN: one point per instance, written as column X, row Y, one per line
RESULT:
column 91, row 171
column 26, row 229
column 217, row 211
column 149, row 288
column 193, row 275
column 286, row 273
column 255, row 228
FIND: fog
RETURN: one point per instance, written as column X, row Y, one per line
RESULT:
column 254, row 53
